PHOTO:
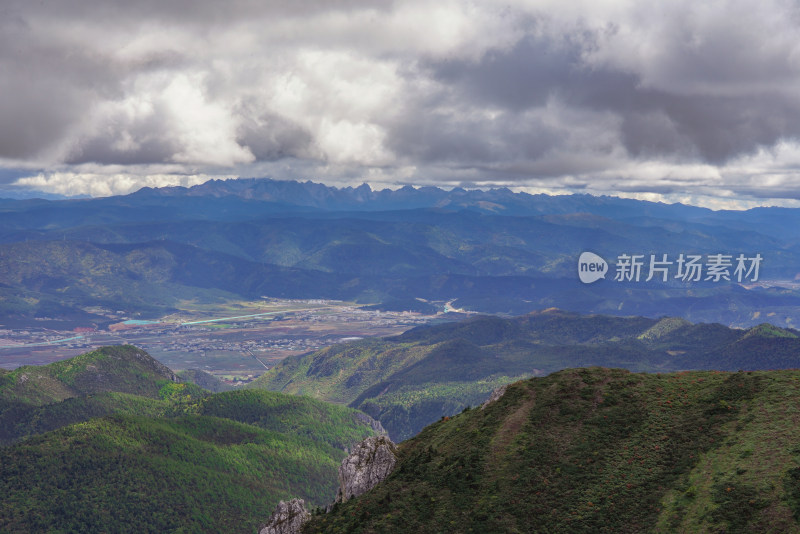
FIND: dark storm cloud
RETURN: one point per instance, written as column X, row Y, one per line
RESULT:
column 43, row 89
column 464, row 138
column 517, row 79
column 178, row 12
column 602, row 95
column 653, row 123
column 152, row 143
column 58, row 64
column 271, row 137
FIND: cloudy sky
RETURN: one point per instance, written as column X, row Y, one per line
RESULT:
column 680, row 100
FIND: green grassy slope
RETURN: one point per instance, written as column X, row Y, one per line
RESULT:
column 83, row 458
column 124, row 379
column 19, row 420
column 599, row 450
column 404, row 385
column 115, row 379
column 410, row 380
column 336, row 426
column 122, row 369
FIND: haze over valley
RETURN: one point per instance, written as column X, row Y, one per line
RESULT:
column 231, row 276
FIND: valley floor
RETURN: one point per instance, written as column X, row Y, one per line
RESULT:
column 237, row 341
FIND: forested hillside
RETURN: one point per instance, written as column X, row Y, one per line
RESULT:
column 411, row 380
column 109, row 442
column 600, row 450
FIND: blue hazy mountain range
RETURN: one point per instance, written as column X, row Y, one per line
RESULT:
column 491, row 251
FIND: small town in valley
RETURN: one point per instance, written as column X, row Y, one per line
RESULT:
column 235, row 343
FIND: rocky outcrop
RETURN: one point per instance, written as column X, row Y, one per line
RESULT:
column 374, row 424
column 370, row 462
column 288, row 518
column 496, row 394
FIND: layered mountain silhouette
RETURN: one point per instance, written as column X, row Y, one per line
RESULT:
column 412, row 380
column 492, row 251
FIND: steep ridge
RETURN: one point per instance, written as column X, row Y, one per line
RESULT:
column 114, row 379
column 600, row 450
column 121, row 369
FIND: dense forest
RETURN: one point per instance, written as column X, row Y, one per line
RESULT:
column 110, row 441
column 600, row 450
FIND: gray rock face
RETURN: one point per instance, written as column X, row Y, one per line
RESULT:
column 288, row 518
column 496, row 394
column 371, row 461
column 376, row 425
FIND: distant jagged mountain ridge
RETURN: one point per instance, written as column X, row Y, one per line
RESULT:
column 498, row 200
column 492, row 251
column 245, row 199
column 772, row 221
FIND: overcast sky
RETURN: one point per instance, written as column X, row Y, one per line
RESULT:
column 678, row 100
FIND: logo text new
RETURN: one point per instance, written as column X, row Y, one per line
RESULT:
column 683, row 267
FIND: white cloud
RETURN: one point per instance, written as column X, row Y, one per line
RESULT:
column 206, row 130
column 698, row 100
column 343, row 100
column 718, row 47
column 103, row 185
